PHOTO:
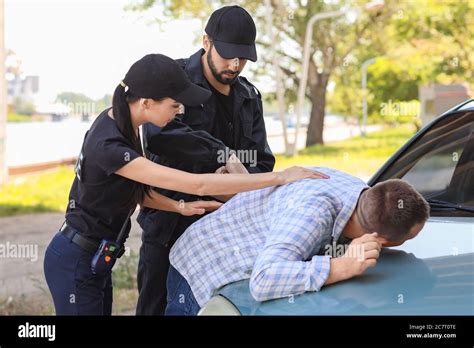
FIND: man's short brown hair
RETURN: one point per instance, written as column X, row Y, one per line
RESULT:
column 392, row 208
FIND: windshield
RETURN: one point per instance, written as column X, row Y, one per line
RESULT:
column 440, row 164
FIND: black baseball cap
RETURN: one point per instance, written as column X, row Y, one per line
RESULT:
column 233, row 32
column 157, row 76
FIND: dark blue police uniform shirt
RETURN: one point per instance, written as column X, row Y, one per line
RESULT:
column 99, row 200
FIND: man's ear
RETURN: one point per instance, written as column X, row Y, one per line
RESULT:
column 205, row 43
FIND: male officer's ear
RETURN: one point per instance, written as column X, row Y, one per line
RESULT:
column 206, row 43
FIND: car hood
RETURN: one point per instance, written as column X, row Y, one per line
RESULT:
column 433, row 274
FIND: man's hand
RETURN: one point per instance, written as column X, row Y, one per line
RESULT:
column 362, row 253
column 365, row 250
column 233, row 166
column 221, row 170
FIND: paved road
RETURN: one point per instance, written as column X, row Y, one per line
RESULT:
column 34, row 231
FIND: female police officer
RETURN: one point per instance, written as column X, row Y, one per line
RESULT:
column 112, row 177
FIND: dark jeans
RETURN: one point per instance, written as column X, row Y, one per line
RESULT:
column 153, row 268
column 75, row 290
column 181, row 300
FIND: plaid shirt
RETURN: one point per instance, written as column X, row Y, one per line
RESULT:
column 275, row 236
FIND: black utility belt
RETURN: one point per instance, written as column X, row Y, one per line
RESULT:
column 104, row 253
column 83, row 242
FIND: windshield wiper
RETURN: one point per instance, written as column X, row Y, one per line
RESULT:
column 443, row 205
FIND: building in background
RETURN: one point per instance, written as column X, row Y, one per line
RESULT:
column 436, row 99
column 25, row 88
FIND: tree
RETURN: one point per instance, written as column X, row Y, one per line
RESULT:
column 23, row 107
column 444, row 32
column 12, row 65
column 333, row 42
column 3, row 101
column 420, row 45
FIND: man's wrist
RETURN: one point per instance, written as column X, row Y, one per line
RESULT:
column 339, row 270
column 178, row 206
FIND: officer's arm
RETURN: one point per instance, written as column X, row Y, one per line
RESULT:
column 157, row 201
column 265, row 159
column 180, row 142
column 149, row 173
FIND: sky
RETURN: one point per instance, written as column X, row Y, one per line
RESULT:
column 87, row 46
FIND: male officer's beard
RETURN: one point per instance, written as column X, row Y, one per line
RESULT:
column 219, row 75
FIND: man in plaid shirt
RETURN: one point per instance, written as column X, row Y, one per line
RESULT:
column 282, row 238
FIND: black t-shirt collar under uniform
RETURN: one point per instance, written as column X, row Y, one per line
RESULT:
column 224, row 126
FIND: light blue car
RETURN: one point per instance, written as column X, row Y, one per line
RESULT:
column 432, row 274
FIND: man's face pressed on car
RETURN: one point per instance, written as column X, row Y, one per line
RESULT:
column 380, row 209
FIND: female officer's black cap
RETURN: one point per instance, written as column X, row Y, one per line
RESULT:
column 157, row 76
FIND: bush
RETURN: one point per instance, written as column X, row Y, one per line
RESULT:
column 14, row 117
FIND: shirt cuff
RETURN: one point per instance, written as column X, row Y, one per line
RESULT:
column 320, row 267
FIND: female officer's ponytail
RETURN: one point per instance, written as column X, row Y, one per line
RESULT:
column 123, row 119
column 122, row 115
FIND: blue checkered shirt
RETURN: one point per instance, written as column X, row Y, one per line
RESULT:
column 275, row 236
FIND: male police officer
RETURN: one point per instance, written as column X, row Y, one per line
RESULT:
column 200, row 141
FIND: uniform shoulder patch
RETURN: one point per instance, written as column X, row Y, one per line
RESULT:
column 251, row 86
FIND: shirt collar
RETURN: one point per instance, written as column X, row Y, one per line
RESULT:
column 339, row 224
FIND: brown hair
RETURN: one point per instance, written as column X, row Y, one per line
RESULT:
column 392, row 208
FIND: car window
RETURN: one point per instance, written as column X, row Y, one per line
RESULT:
column 440, row 164
column 433, row 172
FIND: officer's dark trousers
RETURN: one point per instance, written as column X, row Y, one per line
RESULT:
column 152, row 274
column 75, row 290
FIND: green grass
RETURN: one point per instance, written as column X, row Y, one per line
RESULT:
column 14, row 117
column 358, row 156
column 46, row 192
column 35, row 193
column 124, row 274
